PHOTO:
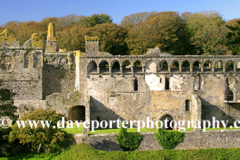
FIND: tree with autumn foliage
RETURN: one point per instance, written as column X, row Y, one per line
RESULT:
column 166, row 30
column 208, row 33
column 234, row 35
column 111, row 38
column 129, row 21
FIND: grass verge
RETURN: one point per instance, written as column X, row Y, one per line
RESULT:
column 86, row 152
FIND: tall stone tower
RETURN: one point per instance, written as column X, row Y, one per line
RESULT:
column 91, row 46
column 51, row 39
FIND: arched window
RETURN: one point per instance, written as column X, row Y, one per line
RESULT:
column 218, row 66
column 162, row 66
column 37, row 60
column 77, row 113
column 92, row 67
column 198, row 83
column 169, row 121
column 229, row 66
column 137, row 67
column 196, row 66
column 229, row 96
column 26, row 60
column 151, row 67
column 207, row 67
column 116, row 67
column 185, row 66
column 104, row 67
column 126, row 66
column 175, row 67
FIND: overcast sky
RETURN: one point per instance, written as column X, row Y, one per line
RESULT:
column 36, row 10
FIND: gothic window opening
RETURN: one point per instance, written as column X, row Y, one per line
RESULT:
column 116, row 67
column 198, row 83
column 188, row 105
column 26, row 60
column 166, row 83
column 229, row 96
column 135, row 85
column 92, row 67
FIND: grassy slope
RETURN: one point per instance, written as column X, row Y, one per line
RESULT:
column 85, row 152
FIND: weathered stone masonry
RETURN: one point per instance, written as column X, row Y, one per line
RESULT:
column 100, row 86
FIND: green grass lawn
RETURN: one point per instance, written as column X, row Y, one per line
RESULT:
column 86, row 152
column 76, row 130
column 227, row 128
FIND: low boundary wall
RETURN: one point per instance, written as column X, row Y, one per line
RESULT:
column 192, row 140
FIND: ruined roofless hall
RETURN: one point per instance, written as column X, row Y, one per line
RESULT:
column 100, row 86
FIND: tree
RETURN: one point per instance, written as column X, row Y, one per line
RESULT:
column 111, row 37
column 208, row 33
column 166, row 30
column 234, row 35
column 99, row 19
column 72, row 38
column 131, row 20
column 39, row 138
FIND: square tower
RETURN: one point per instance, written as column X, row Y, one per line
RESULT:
column 91, row 46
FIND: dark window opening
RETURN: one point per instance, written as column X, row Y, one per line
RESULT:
column 135, row 85
column 166, row 83
column 170, row 123
column 188, row 105
column 77, row 113
column 5, row 94
column 160, row 80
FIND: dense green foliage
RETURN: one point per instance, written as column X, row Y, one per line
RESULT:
column 128, row 141
column 86, row 152
column 37, row 138
column 165, row 30
column 190, row 33
column 168, row 140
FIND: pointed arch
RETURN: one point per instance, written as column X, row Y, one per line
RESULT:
column 126, row 66
column 207, row 66
column 150, row 67
column 170, row 118
column 116, row 67
column 37, row 60
column 162, row 66
column 104, row 66
column 185, row 66
column 92, row 67
column 198, row 83
column 175, row 66
column 26, row 60
column 229, row 66
column 230, row 88
column 196, row 66
column 218, row 66
column 137, row 67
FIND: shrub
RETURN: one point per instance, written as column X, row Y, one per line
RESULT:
column 39, row 139
column 167, row 139
column 128, row 141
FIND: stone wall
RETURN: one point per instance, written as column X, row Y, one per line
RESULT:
column 113, row 97
column 192, row 140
